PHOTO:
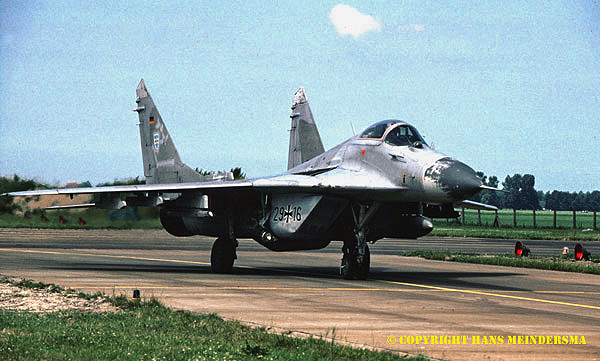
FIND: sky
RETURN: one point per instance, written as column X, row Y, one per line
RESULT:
column 506, row 88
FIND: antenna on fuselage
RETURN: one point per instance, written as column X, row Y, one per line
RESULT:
column 353, row 130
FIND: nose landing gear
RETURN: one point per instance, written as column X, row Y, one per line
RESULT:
column 357, row 257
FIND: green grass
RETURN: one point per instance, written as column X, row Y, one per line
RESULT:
column 51, row 288
column 524, row 230
column 563, row 263
column 148, row 330
column 544, row 219
column 443, row 229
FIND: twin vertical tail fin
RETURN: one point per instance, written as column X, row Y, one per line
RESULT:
column 305, row 141
column 160, row 157
column 161, row 160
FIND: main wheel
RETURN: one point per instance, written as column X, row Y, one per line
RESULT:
column 363, row 265
column 222, row 255
column 347, row 267
column 354, row 266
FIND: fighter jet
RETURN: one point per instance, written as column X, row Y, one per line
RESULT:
column 384, row 182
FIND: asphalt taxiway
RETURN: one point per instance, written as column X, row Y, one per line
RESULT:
column 404, row 298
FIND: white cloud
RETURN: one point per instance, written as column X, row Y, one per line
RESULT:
column 349, row 21
column 411, row 27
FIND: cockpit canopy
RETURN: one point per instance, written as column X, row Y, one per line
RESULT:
column 396, row 133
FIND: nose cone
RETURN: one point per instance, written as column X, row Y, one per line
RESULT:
column 455, row 178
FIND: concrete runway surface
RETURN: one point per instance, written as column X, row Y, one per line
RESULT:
column 404, row 299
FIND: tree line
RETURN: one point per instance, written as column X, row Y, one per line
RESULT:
column 520, row 193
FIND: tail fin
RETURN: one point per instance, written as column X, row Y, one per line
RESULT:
column 305, row 141
column 161, row 160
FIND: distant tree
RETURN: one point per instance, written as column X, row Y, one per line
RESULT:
column 512, row 184
column 594, row 201
column 529, row 196
column 14, row 184
column 561, row 201
column 123, row 182
column 580, row 201
column 521, row 192
column 493, row 181
column 85, row 184
column 542, row 199
column 488, row 196
column 549, row 202
column 202, row 171
column 237, row 173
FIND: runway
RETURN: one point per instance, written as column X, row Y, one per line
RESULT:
column 452, row 309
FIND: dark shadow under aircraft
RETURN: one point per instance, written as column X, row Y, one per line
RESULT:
column 384, row 182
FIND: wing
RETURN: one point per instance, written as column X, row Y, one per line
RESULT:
column 144, row 195
column 143, row 188
column 335, row 182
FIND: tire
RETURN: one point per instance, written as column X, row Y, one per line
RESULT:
column 222, row 256
column 351, row 268
column 362, row 268
column 348, row 266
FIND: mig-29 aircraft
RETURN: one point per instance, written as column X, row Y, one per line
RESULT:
column 380, row 183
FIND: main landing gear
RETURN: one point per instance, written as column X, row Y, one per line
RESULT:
column 355, row 263
column 223, row 255
column 357, row 257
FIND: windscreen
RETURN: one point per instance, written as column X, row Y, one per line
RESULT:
column 378, row 129
column 404, row 134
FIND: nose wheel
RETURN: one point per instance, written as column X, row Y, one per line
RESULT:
column 356, row 260
column 223, row 255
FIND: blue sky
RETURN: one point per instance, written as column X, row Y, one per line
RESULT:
column 505, row 88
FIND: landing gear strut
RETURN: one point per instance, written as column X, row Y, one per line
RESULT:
column 357, row 257
column 223, row 255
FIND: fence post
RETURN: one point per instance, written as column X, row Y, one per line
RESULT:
column 514, row 217
column 554, row 209
column 594, row 219
column 496, row 220
column 534, row 224
column 479, row 217
column 574, row 218
column 463, row 216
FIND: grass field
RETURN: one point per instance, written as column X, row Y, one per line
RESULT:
column 562, row 263
column 524, row 230
column 148, row 330
column 544, row 219
column 442, row 229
